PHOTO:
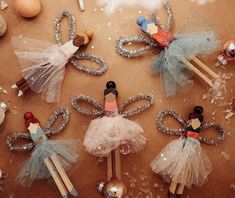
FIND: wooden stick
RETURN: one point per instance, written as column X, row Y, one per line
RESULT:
column 23, row 89
column 118, row 163
column 205, row 67
column 56, row 178
column 109, row 167
column 63, row 175
column 180, row 189
column 173, row 186
column 81, row 5
column 198, row 72
column 19, row 83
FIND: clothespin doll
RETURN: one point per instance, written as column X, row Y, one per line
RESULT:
column 183, row 162
column 227, row 54
column 43, row 64
column 3, row 109
column 173, row 62
column 112, row 134
column 50, row 158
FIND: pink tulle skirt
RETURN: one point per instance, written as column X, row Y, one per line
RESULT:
column 107, row 133
column 183, row 162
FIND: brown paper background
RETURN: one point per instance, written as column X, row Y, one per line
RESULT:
column 131, row 76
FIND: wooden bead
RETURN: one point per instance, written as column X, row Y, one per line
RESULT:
column 3, row 26
column 27, row 8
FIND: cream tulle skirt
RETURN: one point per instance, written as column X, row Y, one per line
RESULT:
column 107, row 133
column 186, row 164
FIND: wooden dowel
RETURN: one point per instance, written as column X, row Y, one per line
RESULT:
column 81, row 5
column 198, row 72
column 205, row 67
column 118, row 163
column 56, row 178
column 180, row 189
column 23, row 89
column 173, row 186
column 63, row 175
column 19, row 83
column 109, row 167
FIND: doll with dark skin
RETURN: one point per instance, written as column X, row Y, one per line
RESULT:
column 182, row 162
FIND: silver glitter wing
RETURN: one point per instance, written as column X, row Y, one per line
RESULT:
column 81, row 98
column 49, row 130
column 140, row 108
column 170, row 131
column 134, row 39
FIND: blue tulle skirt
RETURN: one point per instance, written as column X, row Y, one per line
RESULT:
column 35, row 168
column 175, row 74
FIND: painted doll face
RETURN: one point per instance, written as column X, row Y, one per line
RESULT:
column 195, row 123
column 33, row 127
column 152, row 29
column 110, row 97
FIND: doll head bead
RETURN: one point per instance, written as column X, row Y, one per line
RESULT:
column 140, row 20
column 111, row 88
column 197, row 113
column 29, row 118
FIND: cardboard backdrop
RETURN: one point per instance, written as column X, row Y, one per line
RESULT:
column 132, row 76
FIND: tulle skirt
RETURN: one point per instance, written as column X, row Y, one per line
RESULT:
column 186, row 165
column 174, row 73
column 107, row 133
column 35, row 168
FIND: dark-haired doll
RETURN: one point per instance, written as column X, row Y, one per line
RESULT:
column 182, row 162
column 107, row 133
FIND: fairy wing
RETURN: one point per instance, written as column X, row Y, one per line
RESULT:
column 135, row 39
column 139, row 109
column 99, row 108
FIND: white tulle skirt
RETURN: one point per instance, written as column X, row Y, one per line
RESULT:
column 186, row 165
column 107, row 133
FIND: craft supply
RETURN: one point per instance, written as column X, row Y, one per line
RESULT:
column 173, row 62
column 182, row 162
column 228, row 53
column 113, row 134
column 3, row 109
column 3, row 25
column 27, row 8
column 43, row 66
column 81, row 5
column 50, row 157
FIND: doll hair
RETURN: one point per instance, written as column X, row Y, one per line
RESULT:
column 111, row 88
column 29, row 118
column 197, row 113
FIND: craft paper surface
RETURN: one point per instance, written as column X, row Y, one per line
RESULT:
column 131, row 77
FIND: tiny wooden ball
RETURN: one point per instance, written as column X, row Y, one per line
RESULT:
column 28, row 8
column 3, row 26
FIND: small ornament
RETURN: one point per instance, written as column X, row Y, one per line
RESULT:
column 43, row 66
column 182, row 161
column 173, row 63
column 228, row 53
column 28, row 8
column 50, row 157
column 112, row 135
column 3, row 25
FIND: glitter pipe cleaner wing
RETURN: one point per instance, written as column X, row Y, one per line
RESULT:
column 43, row 64
column 173, row 63
column 50, row 158
column 112, row 134
column 182, row 162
